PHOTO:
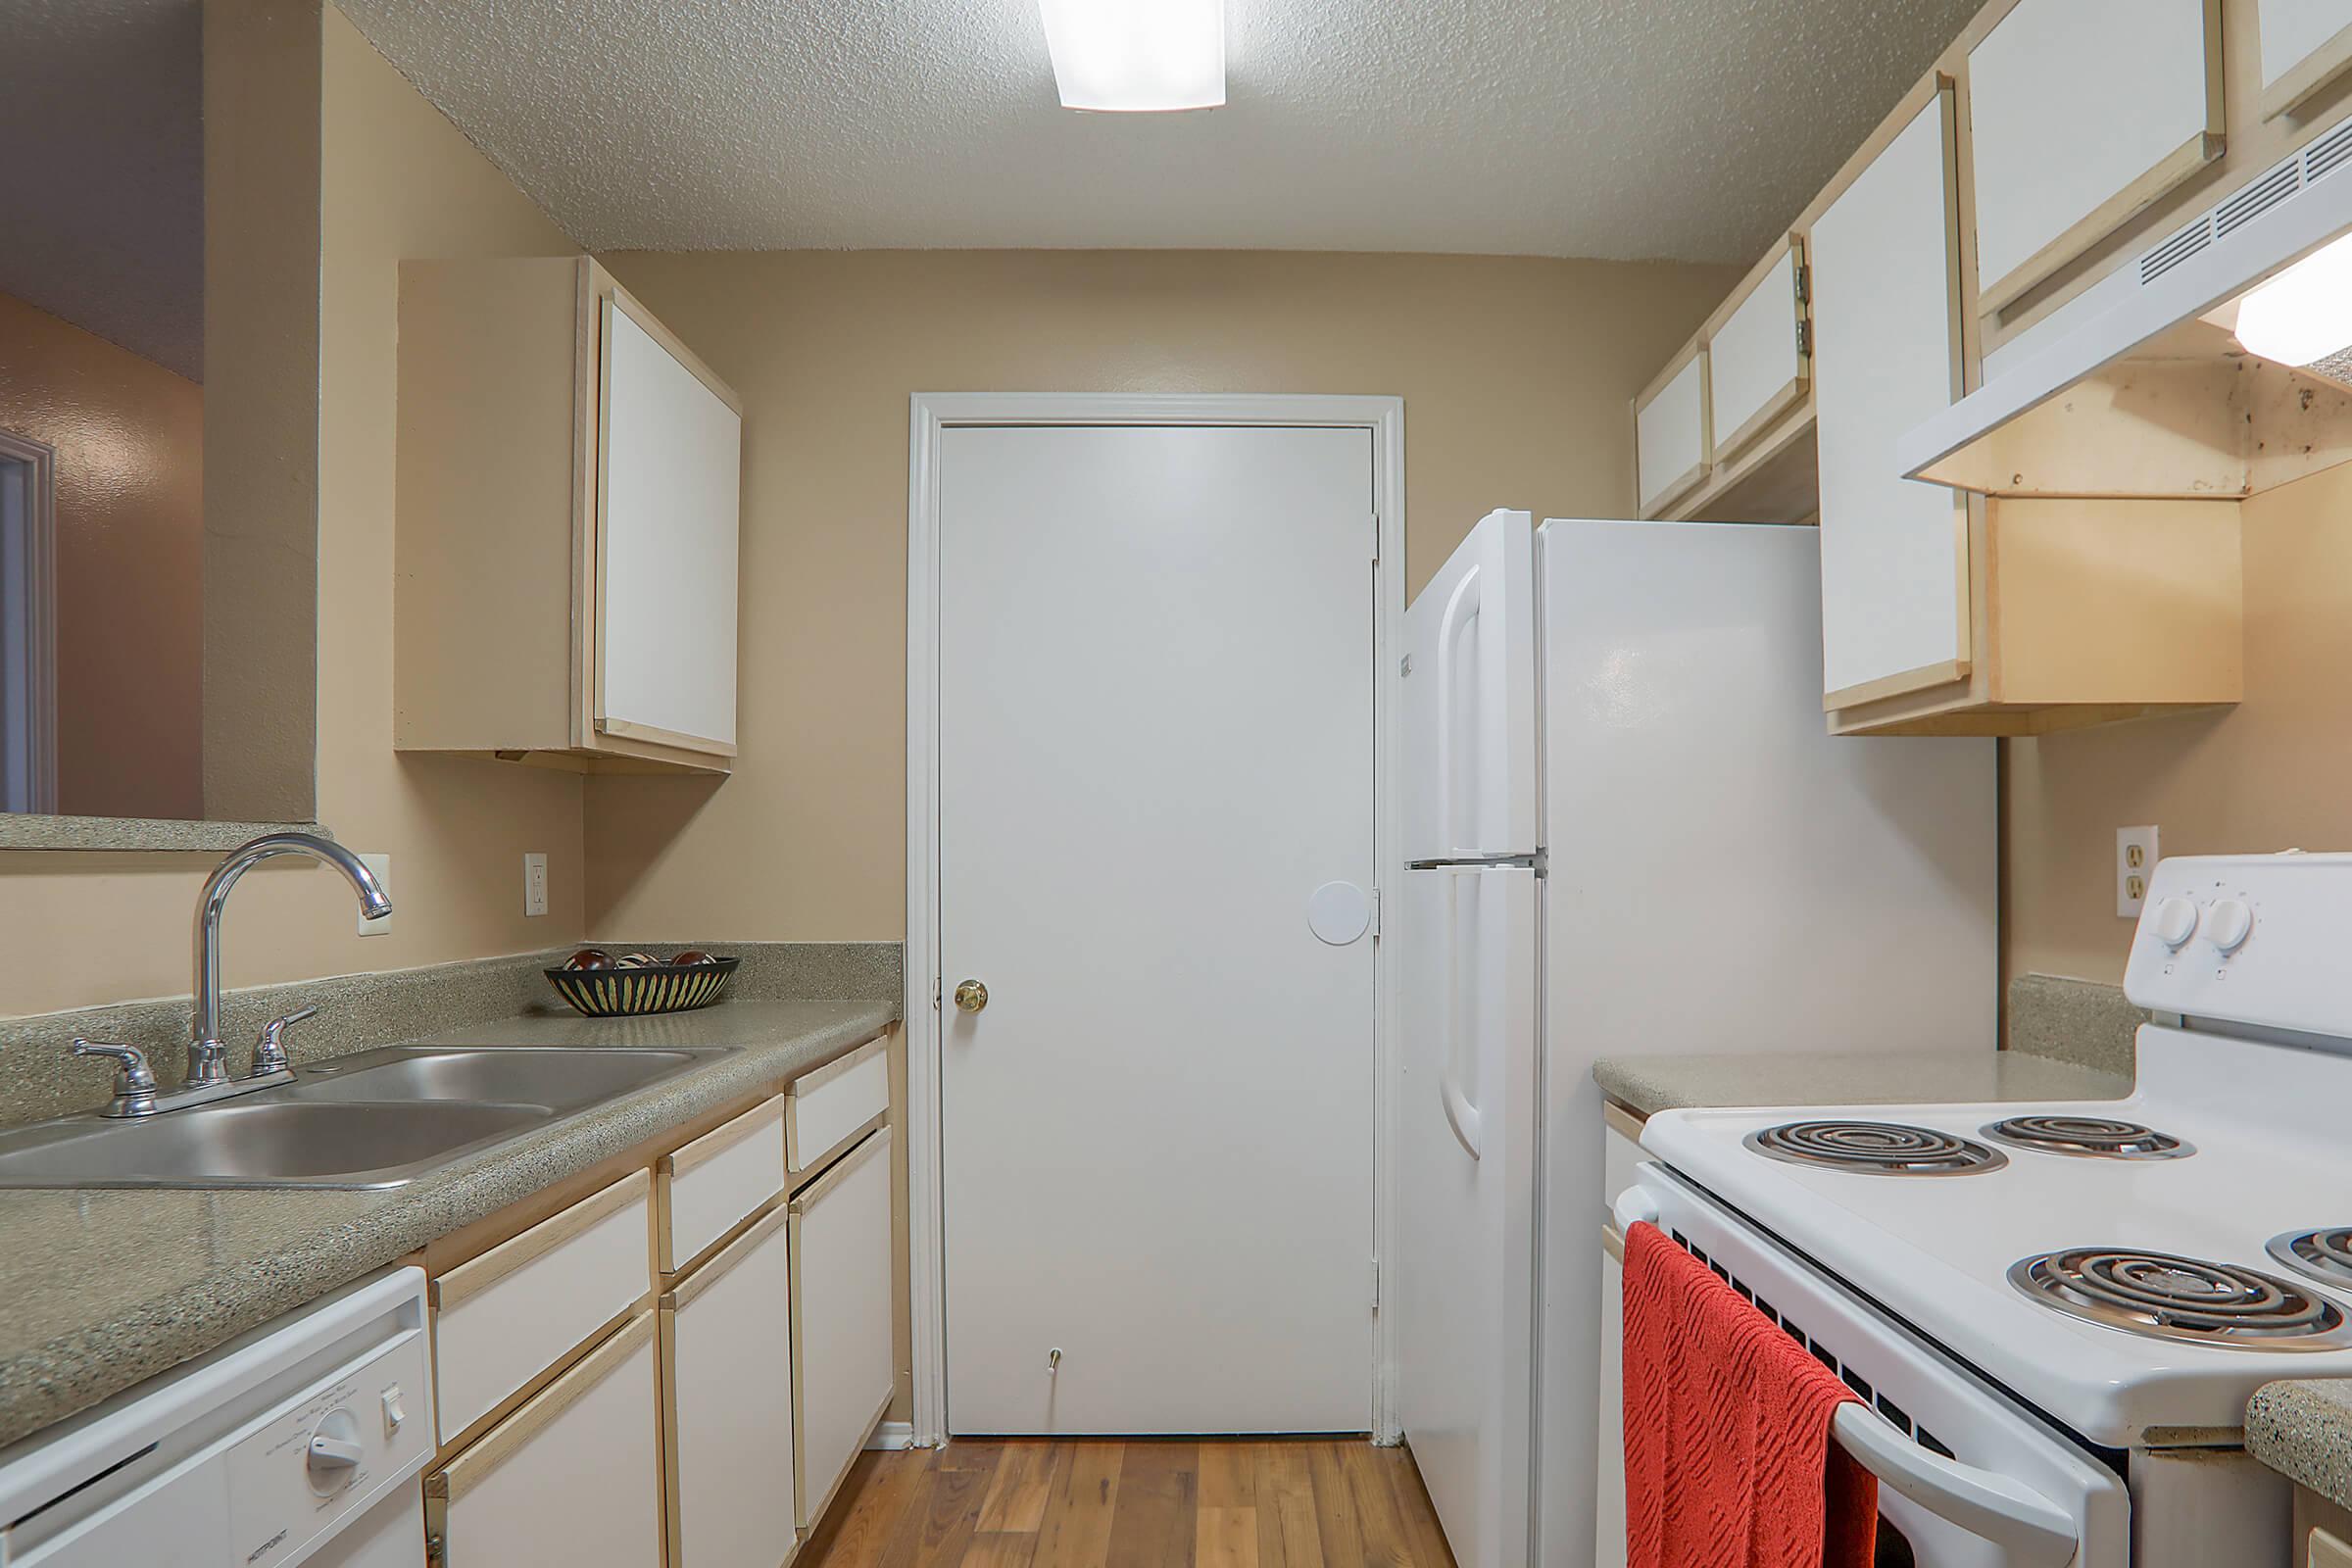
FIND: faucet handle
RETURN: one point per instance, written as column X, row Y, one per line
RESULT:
column 270, row 1050
column 134, row 1079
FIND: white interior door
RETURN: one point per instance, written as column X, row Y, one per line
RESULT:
column 1155, row 747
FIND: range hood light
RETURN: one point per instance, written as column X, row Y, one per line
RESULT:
column 2303, row 316
column 1137, row 56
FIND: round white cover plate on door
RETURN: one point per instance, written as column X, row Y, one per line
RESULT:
column 1339, row 912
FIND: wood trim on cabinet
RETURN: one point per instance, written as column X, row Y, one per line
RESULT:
column 685, row 1158
column 2311, row 77
column 1612, row 1240
column 817, row 1077
column 714, row 1268
column 656, row 735
column 2117, row 211
column 801, row 1176
column 839, row 1171
column 833, row 1490
column 1621, row 1120
column 1899, row 684
column 463, row 1473
column 1692, row 477
column 472, row 1278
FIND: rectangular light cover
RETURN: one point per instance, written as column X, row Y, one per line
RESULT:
column 1137, row 56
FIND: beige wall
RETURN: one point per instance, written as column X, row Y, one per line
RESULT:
column 2273, row 773
column 129, row 562
column 1516, row 375
column 79, row 929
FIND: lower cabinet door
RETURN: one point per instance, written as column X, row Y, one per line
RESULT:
column 841, row 1315
column 572, row 1476
column 1608, row 1511
column 726, row 1357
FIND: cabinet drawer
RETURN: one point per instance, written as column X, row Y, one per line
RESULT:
column 510, row 1314
column 839, row 1316
column 571, row 1477
column 825, row 1110
column 717, row 1182
column 726, row 1394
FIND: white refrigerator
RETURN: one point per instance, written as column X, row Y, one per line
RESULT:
column 1627, row 832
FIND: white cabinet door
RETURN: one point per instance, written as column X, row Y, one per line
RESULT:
column 2080, row 113
column 1757, row 361
column 669, row 518
column 2305, row 45
column 1669, row 436
column 726, row 1348
column 572, row 1476
column 841, row 1317
column 1608, row 1513
column 1885, row 346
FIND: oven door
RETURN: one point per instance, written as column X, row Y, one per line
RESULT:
column 1967, row 1479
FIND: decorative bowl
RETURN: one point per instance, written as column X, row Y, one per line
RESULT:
column 645, row 990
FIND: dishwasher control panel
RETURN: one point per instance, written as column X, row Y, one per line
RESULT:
column 325, row 1455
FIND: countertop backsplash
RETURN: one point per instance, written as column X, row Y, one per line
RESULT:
column 40, row 1078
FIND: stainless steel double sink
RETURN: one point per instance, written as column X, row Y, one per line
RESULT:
column 380, row 1119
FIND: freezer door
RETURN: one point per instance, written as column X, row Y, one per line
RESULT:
column 1464, row 1277
column 1469, row 700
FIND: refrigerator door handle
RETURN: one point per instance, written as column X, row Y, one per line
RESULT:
column 1460, row 1115
column 1461, row 608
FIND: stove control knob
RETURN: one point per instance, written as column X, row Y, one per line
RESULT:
column 2176, row 922
column 2229, row 924
column 335, row 1453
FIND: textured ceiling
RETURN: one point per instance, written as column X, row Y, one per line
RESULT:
column 102, row 169
column 1683, row 128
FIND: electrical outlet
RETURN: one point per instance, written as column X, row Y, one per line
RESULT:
column 2134, row 862
column 534, row 884
column 381, row 866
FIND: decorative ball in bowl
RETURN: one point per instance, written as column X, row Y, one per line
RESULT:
column 636, row 984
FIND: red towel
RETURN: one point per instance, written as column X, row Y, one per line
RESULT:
column 1729, row 1462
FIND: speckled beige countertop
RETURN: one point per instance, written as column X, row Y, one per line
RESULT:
column 100, row 1290
column 2303, row 1430
column 1648, row 1085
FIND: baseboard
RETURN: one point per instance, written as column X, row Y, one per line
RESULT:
column 891, row 1435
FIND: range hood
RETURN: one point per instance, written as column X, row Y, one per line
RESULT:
column 2141, row 386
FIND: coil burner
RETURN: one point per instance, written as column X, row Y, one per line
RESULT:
column 1876, row 1149
column 2325, row 1255
column 2187, row 1300
column 2091, row 1137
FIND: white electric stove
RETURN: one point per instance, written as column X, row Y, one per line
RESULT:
column 2056, row 1313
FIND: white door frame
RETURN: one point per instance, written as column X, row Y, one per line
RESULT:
column 931, row 414
column 39, row 629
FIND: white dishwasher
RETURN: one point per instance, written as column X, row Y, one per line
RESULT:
column 298, row 1443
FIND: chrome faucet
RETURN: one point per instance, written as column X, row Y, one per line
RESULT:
column 136, row 1091
column 208, row 1056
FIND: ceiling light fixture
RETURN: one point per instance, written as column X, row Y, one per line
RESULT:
column 1137, row 56
column 2303, row 316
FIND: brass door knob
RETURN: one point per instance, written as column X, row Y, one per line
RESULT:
column 971, row 996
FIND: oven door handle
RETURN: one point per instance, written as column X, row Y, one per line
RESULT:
column 2029, row 1529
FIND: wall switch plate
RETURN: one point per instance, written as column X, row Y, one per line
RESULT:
column 534, row 884
column 381, row 866
column 2134, row 862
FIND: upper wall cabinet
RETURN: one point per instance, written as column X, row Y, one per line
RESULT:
column 1886, row 353
column 1725, row 433
column 1671, row 443
column 2082, row 115
column 1759, row 353
column 568, row 509
column 2306, row 45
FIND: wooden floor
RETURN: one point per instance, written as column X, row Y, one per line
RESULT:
column 1033, row 1503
